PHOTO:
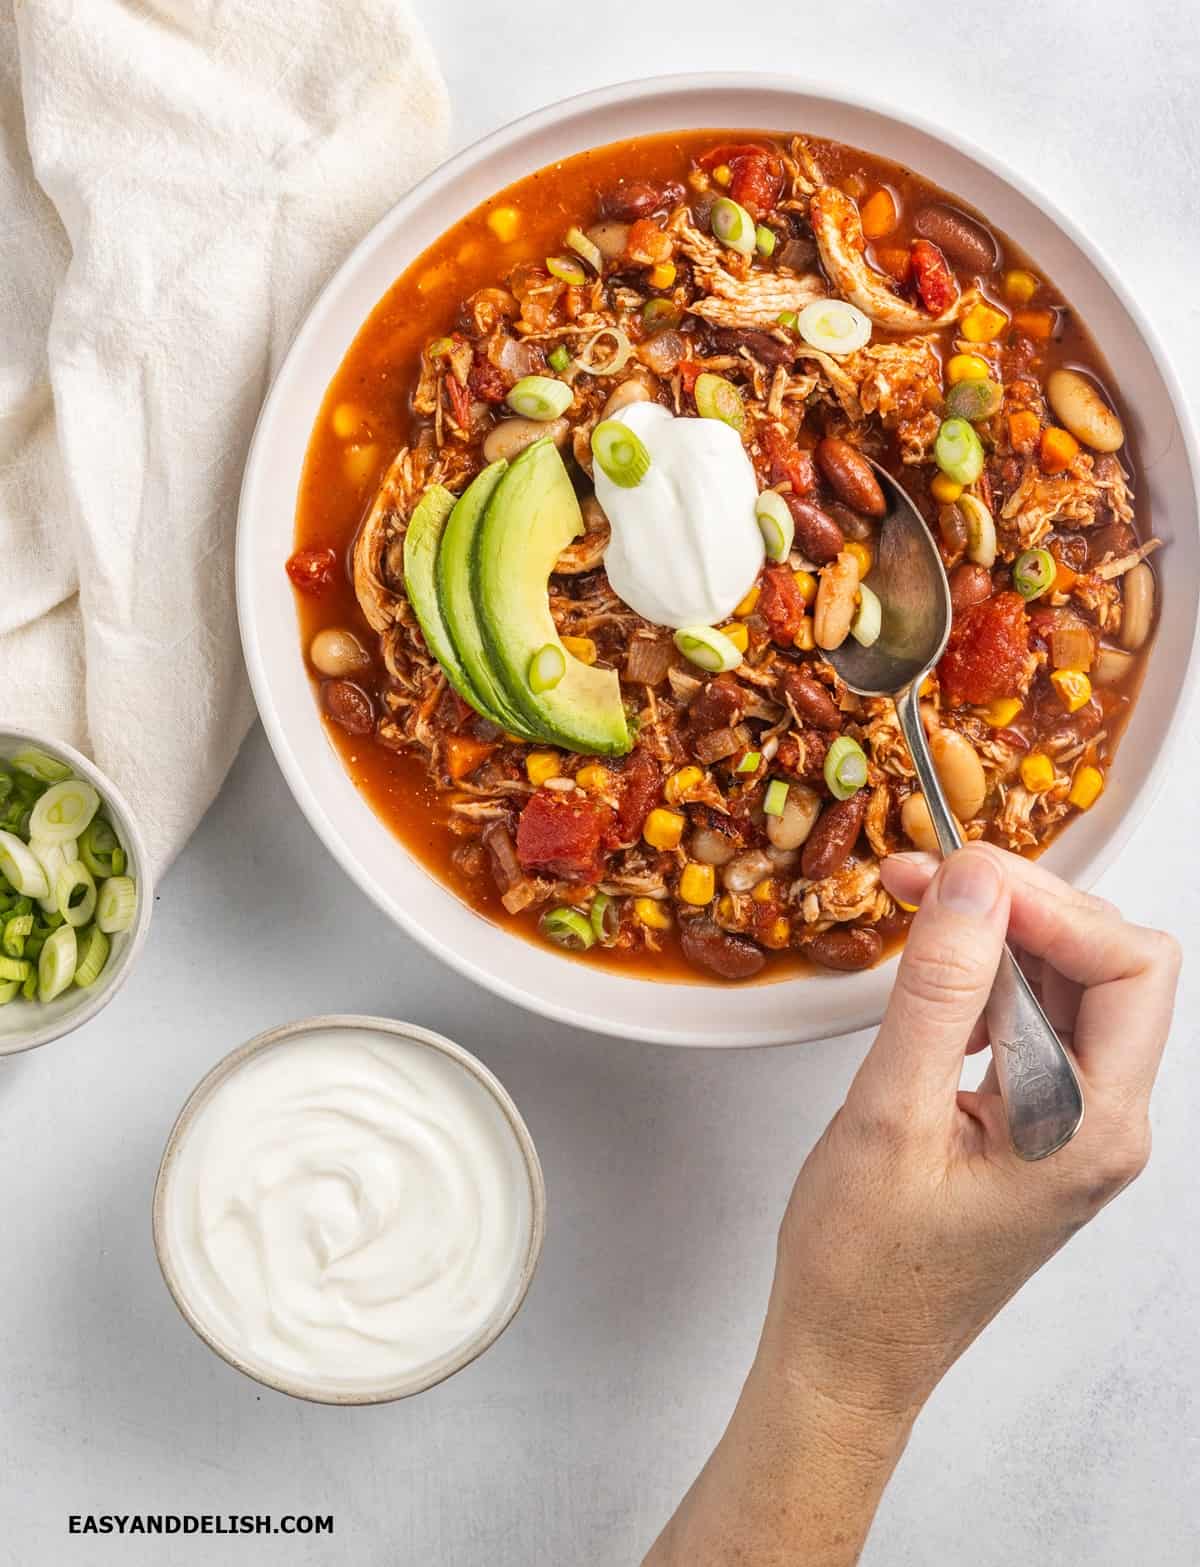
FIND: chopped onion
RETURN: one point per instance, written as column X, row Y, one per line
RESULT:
column 648, row 660
column 93, row 948
column 868, row 618
column 57, row 962
column 717, row 398
column 547, row 667
column 540, row 397
column 116, row 905
column 845, row 767
column 717, row 744
column 47, row 769
column 22, row 867
column 568, row 928
column 589, row 360
column 566, row 269
column 1072, row 647
column 620, row 453
column 981, row 530
column 733, row 226
column 776, row 797
column 588, row 249
column 75, row 878
column 707, row 647
column 63, row 811
column 834, row 327
column 775, row 524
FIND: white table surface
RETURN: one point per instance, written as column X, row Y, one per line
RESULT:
column 1070, row 1434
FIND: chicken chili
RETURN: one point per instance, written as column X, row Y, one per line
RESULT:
column 587, row 505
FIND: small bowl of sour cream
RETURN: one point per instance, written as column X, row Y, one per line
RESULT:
column 349, row 1209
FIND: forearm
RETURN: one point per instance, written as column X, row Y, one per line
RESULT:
column 796, row 1477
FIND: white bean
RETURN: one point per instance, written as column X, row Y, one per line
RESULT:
column 917, row 824
column 711, row 848
column 511, row 436
column 744, row 873
column 609, row 238
column 337, row 653
column 631, row 391
column 1079, row 406
column 834, row 609
column 960, row 771
column 792, row 826
column 1138, row 593
column 1111, row 666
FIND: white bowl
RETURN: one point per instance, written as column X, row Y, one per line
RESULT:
column 178, row 1276
column 535, row 977
column 26, row 1024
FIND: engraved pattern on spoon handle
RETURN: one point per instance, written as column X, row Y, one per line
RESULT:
column 1037, row 1080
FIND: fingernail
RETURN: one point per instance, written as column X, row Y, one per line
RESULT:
column 969, row 883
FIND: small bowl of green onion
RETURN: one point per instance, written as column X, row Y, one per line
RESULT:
column 75, row 893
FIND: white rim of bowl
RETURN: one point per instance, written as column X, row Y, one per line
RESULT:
column 681, row 85
column 448, row 1365
column 128, row 830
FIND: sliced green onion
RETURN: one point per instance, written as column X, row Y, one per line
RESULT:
column 92, row 956
column 560, row 359
column 36, row 764
column 788, row 320
column 868, row 617
column 547, row 667
column 75, row 894
column 981, row 530
column 776, row 797
column 834, row 327
column 620, row 453
column 733, row 225
column 540, row 397
column 14, row 968
column 717, row 398
column 57, row 964
column 845, row 767
column 590, row 360
column 764, row 240
column 1034, row 573
column 604, row 917
column 566, row 269
column 775, row 524
column 116, row 905
column 30, row 988
column 100, row 848
column 54, row 859
column 440, row 347
column 749, row 763
column 568, row 928
column 63, row 811
column 958, row 451
column 707, row 647
column 21, row 867
column 973, row 400
column 659, row 313
column 8, row 991
column 6, row 785
column 588, row 249
column 16, row 928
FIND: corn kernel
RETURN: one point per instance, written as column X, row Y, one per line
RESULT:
column 982, row 323
column 698, row 883
column 680, row 784
column 652, row 914
column 778, row 934
column 1037, row 772
column 862, row 554
column 1073, row 687
column 504, row 223
column 725, row 909
column 967, row 367
column 345, row 420
column 663, row 829
column 807, row 584
column 909, row 908
column 662, row 275
column 746, row 607
column 765, row 890
column 722, row 174
column 928, row 688
column 1000, row 713
column 804, row 640
column 593, row 778
column 540, row 765
column 582, row 648
column 1019, row 286
column 945, row 489
column 1086, row 788
column 739, row 634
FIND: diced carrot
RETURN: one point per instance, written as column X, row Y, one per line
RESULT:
column 463, row 754
column 1058, row 450
column 878, row 214
column 1023, row 427
column 1064, row 578
column 896, row 263
column 1035, row 323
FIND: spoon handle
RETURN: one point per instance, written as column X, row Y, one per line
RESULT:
column 1038, row 1084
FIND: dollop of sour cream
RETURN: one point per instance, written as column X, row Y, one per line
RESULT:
column 685, row 545
column 348, row 1208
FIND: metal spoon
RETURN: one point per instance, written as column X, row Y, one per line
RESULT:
column 1037, row 1080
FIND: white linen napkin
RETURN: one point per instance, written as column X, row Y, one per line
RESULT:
column 177, row 179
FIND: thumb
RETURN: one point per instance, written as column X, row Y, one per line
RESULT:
column 942, row 986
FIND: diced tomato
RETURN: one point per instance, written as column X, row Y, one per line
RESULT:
column 729, row 152
column 987, row 653
column 460, row 402
column 689, row 373
column 896, row 263
column 648, row 244
column 781, row 604
column 463, row 754
column 563, row 836
column 312, row 571
column 487, row 381
column 802, row 754
column 640, row 787
column 787, row 462
column 936, row 283
column 757, row 174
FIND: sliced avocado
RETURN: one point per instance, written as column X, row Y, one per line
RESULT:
column 457, row 606
column 530, row 519
column 425, row 529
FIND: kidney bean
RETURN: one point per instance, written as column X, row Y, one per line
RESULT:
column 852, row 525
column 766, row 349
column 810, row 699
column 969, row 584
column 963, row 239
column 849, row 476
column 638, row 199
column 349, row 706
column 846, row 947
column 952, row 530
column 831, row 840
column 706, row 945
column 816, row 532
